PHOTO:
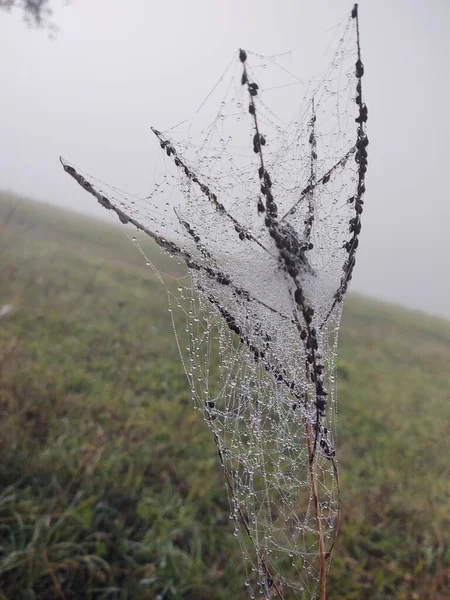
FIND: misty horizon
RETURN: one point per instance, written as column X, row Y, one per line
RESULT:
column 92, row 94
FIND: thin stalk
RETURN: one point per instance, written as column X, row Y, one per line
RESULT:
column 362, row 142
column 313, row 478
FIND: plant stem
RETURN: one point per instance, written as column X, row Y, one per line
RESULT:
column 315, row 495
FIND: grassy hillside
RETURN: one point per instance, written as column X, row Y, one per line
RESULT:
column 110, row 486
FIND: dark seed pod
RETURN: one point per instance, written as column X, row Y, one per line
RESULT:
column 359, row 68
column 223, row 279
column 355, row 11
column 242, row 56
column 251, row 108
column 326, row 178
column 261, row 208
column 105, row 203
column 320, row 403
column 355, row 225
column 267, row 179
column 244, row 78
column 253, row 89
column 362, row 118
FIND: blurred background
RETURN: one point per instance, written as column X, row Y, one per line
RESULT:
column 103, row 493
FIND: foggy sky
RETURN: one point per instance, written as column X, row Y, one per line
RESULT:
column 118, row 67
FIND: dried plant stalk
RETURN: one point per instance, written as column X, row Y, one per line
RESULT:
column 259, row 294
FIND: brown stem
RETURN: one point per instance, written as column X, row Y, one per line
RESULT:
column 315, row 494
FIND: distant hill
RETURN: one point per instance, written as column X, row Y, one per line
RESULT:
column 111, row 484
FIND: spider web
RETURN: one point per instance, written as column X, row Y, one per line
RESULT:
column 261, row 196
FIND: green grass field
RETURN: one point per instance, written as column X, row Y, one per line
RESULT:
column 110, row 485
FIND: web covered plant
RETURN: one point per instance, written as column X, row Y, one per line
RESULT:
column 261, row 198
